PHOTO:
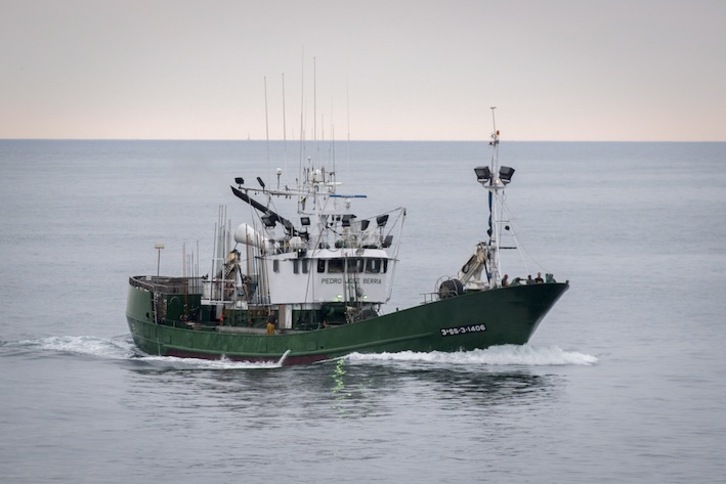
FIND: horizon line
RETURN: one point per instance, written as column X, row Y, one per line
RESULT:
column 483, row 140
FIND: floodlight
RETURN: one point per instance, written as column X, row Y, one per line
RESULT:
column 505, row 174
column 483, row 174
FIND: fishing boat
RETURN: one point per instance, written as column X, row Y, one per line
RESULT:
column 313, row 287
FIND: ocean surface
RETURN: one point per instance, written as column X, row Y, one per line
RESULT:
column 623, row 381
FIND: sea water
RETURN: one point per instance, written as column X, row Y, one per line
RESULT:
column 623, row 381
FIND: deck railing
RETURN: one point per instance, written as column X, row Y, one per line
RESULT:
column 168, row 285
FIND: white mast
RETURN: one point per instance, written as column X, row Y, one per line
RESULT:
column 267, row 132
column 493, row 229
column 284, row 126
column 494, row 178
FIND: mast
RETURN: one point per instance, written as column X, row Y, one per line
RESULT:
column 494, row 179
column 315, row 104
column 267, row 131
column 284, row 126
column 492, row 230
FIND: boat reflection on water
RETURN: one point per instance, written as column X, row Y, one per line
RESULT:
column 446, row 384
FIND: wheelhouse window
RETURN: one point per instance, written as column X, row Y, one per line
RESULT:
column 376, row 266
column 336, row 265
column 373, row 266
column 355, row 265
column 349, row 265
column 298, row 264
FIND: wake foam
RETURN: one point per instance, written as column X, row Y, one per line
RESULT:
column 173, row 362
column 123, row 348
column 504, row 355
column 109, row 348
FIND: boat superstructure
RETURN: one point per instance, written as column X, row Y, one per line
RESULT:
column 329, row 266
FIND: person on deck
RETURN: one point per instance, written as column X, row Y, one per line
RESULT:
column 270, row 325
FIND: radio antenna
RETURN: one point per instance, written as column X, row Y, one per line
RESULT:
column 267, row 132
column 284, row 126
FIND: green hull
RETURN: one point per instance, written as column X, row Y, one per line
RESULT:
column 471, row 321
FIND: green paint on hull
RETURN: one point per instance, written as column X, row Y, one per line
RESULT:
column 474, row 320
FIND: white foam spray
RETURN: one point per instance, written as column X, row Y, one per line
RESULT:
column 505, row 355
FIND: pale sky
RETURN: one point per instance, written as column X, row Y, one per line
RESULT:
column 645, row 70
